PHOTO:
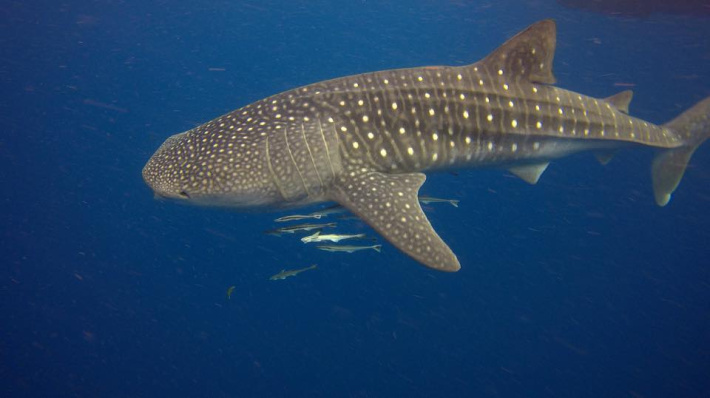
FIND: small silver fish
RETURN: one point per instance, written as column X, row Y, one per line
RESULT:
column 317, row 237
column 285, row 274
column 348, row 249
column 428, row 199
column 300, row 227
column 296, row 217
column 334, row 209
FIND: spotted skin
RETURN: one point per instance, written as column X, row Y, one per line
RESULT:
column 364, row 141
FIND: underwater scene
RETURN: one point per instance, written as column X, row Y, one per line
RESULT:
column 355, row 198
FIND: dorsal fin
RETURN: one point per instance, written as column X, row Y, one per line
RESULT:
column 621, row 100
column 528, row 54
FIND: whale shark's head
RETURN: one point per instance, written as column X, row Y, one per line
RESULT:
column 210, row 167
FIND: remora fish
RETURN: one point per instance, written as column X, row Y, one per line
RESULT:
column 285, row 274
column 363, row 141
column 317, row 237
column 334, row 209
column 300, row 227
column 296, row 217
column 348, row 249
column 428, row 199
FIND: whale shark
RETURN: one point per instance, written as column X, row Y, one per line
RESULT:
column 365, row 141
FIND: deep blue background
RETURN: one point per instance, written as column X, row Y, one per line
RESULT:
column 577, row 287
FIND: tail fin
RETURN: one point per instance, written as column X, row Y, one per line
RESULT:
column 693, row 127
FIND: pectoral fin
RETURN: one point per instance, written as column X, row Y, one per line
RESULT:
column 389, row 204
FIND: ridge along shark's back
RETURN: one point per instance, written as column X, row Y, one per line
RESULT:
column 363, row 140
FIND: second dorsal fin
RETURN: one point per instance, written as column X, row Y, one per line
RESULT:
column 621, row 100
column 527, row 55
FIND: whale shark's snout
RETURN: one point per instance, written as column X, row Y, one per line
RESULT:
column 164, row 172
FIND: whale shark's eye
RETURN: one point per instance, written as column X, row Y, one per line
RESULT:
column 184, row 194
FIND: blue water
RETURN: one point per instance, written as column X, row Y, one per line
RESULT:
column 576, row 287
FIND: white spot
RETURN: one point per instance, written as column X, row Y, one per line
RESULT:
column 431, row 112
column 490, row 146
column 468, row 140
column 370, row 135
column 500, row 72
column 488, row 100
column 394, row 105
column 511, row 104
column 402, row 130
column 410, row 151
column 435, row 136
column 465, row 114
column 420, row 78
column 560, row 111
column 343, row 129
column 356, row 145
column 383, row 152
column 489, row 117
column 538, row 125
column 505, row 86
column 434, row 157
column 361, row 102
column 463, row 97
column 386, row 81
column 427, row 95
column 459, row 77
column 355, row 85
column 536, row 145
column 514, row 147
column 514, row 123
